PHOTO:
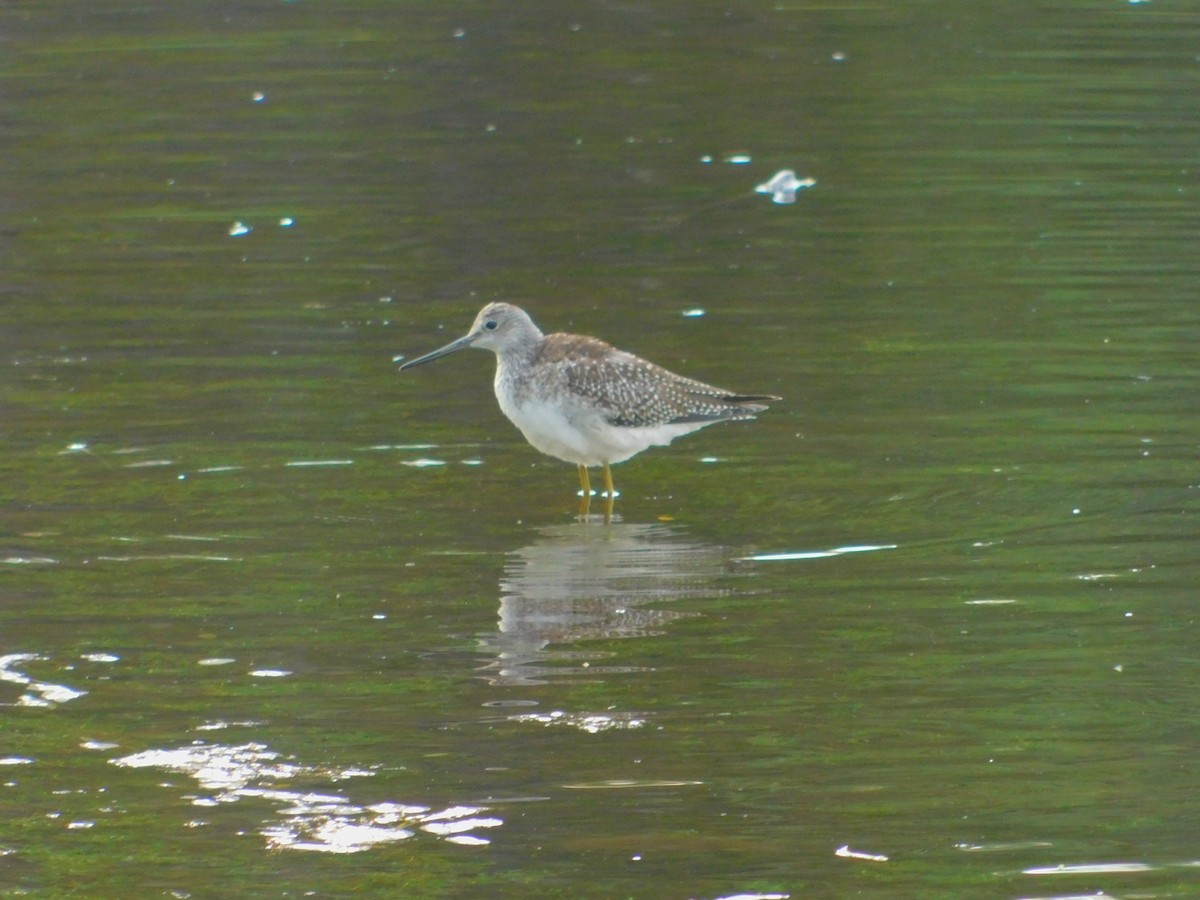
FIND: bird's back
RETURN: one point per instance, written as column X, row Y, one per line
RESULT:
column 630, row 391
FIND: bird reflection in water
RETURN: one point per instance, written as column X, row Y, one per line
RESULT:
column 576, row 585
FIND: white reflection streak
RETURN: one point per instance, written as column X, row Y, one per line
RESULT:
column 196, row 557
column 845, row 852
column 325, row 823
column 38, row 693
column 592, row 723
column 817, row 554
column 1089, row 869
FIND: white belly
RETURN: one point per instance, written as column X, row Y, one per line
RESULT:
column 581, row 436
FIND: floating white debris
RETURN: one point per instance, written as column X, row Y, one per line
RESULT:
column 101, row 657
column 313, row 463
column 16, row 761
column 756, row 897
column 817, row 554
column 287, row 222
column 237, row 229
column 270, row 673
column 845, row 852
column 216, row 661
column 693, row 313
column 424, row 463
column 739, row 159
column 783, row 185
column 258, row 96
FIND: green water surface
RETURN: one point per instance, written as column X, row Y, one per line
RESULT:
column 278, row 621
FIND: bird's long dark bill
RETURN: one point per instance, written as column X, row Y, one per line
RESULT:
column 440, row 352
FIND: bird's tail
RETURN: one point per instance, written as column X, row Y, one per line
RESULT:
column 751, row 403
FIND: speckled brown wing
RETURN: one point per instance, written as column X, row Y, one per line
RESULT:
column 634, row 393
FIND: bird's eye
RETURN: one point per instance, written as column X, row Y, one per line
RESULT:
column 490, row 324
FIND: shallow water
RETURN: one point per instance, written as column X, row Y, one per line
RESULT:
column 279, row 621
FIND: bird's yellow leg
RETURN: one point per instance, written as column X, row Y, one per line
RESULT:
column 586, row 497
column 609, row 494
